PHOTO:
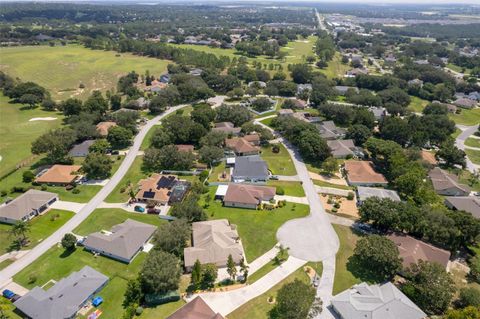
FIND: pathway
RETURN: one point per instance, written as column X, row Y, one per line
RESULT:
column 460, row 143
column 286, row 178
column 292, row 199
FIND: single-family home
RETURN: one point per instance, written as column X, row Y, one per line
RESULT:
column 415, row 82
column 212, row 242
column 413, row 250
column 59, row 175
column 364, row 192
column 227, row 128
column 82, row 149
column 156, row 189
column 26, row 206
column 342, row 89
column 65, row 298
column 378, row 112
column 241, row 147
column 103, row 127
column 123, row 242
column 196, row 71
column 247, row 196
column 469, row 204
column 375, row 301
column 447, row 184
column 342, row 148
column 195, row 309
column 421, row 62
column 285, row 112
column 354, row 72
column 428, row 157
column 362, row 173
column 329, row 131
column 253, row 139
column 185, row 148
column 257, row 84
column 250, row 169
column 465, row 103
column 142, row 102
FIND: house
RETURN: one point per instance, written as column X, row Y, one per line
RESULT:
column 469, row 204
column 82, row 149
column 329, row 131
column 59, row 175
column 196, row 71
column 378, row 112
column 65, row 298
column 241, row 147
column 421, row 62
column 103, row 127
column 156, row 189
column 465, row 103
column 253, row 139
column 413, row 250
column 303, row 87
column 26, row 206
column 428, row 157
column 285, row 112
column 185, row 148
column 195, row 309
column 342, row 148
column 342, row 89
column 375, row 301
column 212, row 242
column 361, row 173
column 447, row 184
column 299, row 104
column 250, row 169
column 354, row 72
column 227, row 128
column 366, row 192
column 452, row 108
column 123, row 242
column 247, row 196
column 257, row 84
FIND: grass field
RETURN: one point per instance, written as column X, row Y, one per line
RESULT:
column 256, row 228
column 417, row 104
column 466, row 117
column 335, row 68
column 327, row 184
column 40, row 228
column 133, row 175
column 278, row 163
column 18, row 132
column 473, row 142
column 290, row 188
column 473, row 155
column 62, row 69
column 268, row 121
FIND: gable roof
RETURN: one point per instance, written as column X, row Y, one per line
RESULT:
column 184, row 148
column 103, row 127
column 412, row 250
column 240, row 145
column 329, row 130
column 442, row 180
column 248, row 194
column 367, row 192
column 61, row 174
column 156, row 187
column 81, row 149
column 363, row 172
column 195, row 309
column 375, row 302
column 341, row 147
column 124, row 240
column 467, row 203
column 252, row 138
column 24, row 204
column 64, row 298
column 250, row 166
column 226, row 127
column 212, row 242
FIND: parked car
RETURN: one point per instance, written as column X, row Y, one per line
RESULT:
column 153, row 210
column 139, row 209
column 274, row 177
column 7, row 293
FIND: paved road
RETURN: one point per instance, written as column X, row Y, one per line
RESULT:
column 460, row 143
column 81, row 215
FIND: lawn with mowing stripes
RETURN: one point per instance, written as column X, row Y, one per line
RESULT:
column 278, row 163
column 473, row 142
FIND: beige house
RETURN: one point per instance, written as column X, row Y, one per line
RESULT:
column 247, row 196
column 447, row 184
column 241, row 147
column 26, row 206
column 103, row 127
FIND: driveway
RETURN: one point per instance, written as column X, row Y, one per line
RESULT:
column 467, row 131
column 70, row 206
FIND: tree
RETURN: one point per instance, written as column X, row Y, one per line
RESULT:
column 313, row 147
column 294, row 301
column 28, row 176
column 133, row 293
column 189, row 209
column 469, row 297
column 232, row 113
column 282, row 254
column 173, row 237
column 244, row 270
column 475, row 268
column 196, row 277
column 115, row 102
column 451, row 155
column 160, row 273
column 97, row 166
column 161, row 138
column 55, row 144
column 209, row 275
column 359, row 133
column 330, row 166
column 203, row 114
column 168, row 157
column 377, row 257
column 210, row 154
column 158, row 104
column 29, row 99
column 20, row 231
column 470, row 312
column 96, row 103
column 72, row 107
column 301, row 73
column 429, row 286
column 99, row 146
column 49, row 105
column 262, row 104
column 213, row 138
column 231, row 268
column 69, row 241
column 119, row 137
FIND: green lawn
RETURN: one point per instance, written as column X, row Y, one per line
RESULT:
column 62, row 69
column 257, row 229
column 40, row 228
column 473, row 155
column 344, row 279
column 134, row 175
column 290, row 188
column 18, row 132
column 278, row 163
column 473, row 142
column 105, row 218
column 217, row 170
column 417, row 104
column 466, row 117
column 456, row 133
column 464, row 178
column 335, row 68
column 268, row 121
column 327, row 184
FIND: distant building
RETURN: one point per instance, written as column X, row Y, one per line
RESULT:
column 465, row 103
column 469, row 204
column 447, row 184
column 342, row 90
column 185, row 148
column 303, row 87
column 241, row 147
column 285, row 112
column 59, row 175
column 103, row 127
column 227, row 128
column 250, row 169
column 329, row 131
column 26, row 206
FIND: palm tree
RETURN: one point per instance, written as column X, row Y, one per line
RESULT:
column 21, row 229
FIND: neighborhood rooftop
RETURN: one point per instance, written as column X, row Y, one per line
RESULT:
column 32, row 201
column 59, row 174
column 447, row 184
column 469, row 204
column 247, row 195
column 250, row 168
column 362, row 173
column 195, row 309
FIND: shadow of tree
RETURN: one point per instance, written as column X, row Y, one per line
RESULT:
column 364, row 272
column 67, row 252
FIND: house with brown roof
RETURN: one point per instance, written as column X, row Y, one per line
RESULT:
column 362, row 173
column 412, row 250
column 195, row 309
column 247, row 196
column 26, row 206
column 428, row 157
column 59, row 175
column 103, row 127
column 465, row 103
column 447, row 184
column 241, row 147
column 156, row 188
column 185, row 148
column 212, row 242
column 227, row 128
column 253, row 139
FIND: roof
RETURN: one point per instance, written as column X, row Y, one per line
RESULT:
column 124, row 240
column 64, row 298
column 443, row 180
column 250, row 166
column 226, row 127
column 81, row 149
column 252, row 138
column 248, row 194
column 341, row 147
column 465, row 102
column 375, row 302
column 103, row 127
column 60, row 174
column 344, row 89
column 363, row 172
column 240, row 145
column 195, row 309
column 285, row 112
column 184, row 148
column 467, row 203
column 25, row 203
column 367, row 192
column 156, row 187
column 412, row 250
column 213, row 242
column 329, row 130
column 221, row 190
column 428, row 157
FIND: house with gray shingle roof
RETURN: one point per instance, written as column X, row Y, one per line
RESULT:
column 329, row 131
column 26, row 206
column 382, row 301
column 123, row 242
column 65, row 298
column 250, row 169
column 81, row 149
column 469, row 204
column 447, row 184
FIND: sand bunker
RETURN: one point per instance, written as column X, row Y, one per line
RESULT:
column 42, row 119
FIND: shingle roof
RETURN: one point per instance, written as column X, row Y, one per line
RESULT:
column 156, row 187
column 250, row 166
column 103, row 127
column 375, row 302
column 367, row 192
column 329, row 130
column 467, row 203
column 248, row 194
column 240, row 145
column 226, row 127
column 61, row 174
column 64, row 298
column 213, row 241
column 25, row 203
column 443, row 180
column 124, row 240
column 81, row 149
column 341, row 147
column 195, row 309
column 363, row 172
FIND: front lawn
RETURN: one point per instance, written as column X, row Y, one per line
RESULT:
column 465, row 177
column 344, row 279
column 268, row 121
column 473, row 155
column 257, row 229
column 473, row 142
column 40, row 228
column 105, row 218
column 327, row 184
column 466, row 117
column 133, row 176
column 417, row 104
column 278, row 163
column 290, row 188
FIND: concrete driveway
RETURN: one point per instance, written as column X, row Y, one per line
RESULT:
column 70, row 206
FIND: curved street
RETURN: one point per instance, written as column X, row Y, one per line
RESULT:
column 467, row 131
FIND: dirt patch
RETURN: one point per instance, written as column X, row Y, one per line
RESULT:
column 346, row 207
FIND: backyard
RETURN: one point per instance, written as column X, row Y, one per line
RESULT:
column 278, row 163
column 417, row 104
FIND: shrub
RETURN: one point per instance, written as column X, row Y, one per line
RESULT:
column 28, row 176
column 280, row 191
column 43, row 187
column 275, row 149
column 350, row 196
column 336, row 205
column 334, row 210
column 203, row 176
column 18, row 189
column 139, row 311
column 469, row 297
column 3, row 193
column 32, row 279
column 475, row 268
column 69, row 187
column 82, row 86
column 330, row 201
column 75, row 191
